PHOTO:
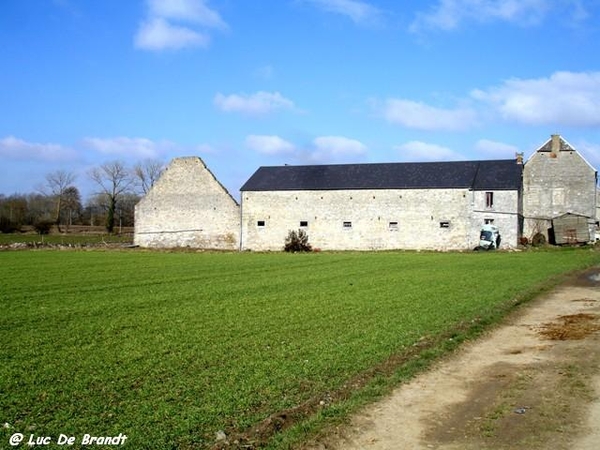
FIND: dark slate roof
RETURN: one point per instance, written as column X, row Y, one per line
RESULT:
column 476, row 175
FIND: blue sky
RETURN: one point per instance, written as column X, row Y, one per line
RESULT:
column 268, row 82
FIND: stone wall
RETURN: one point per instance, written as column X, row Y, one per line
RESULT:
column 427, row 219
column 503, row 213
column 187, row 207
column 554, row 183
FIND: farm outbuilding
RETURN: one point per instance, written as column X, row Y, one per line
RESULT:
column 557, row 180
column 436, row 206
column 188, row 207
column 379, row 206
column 571, row 229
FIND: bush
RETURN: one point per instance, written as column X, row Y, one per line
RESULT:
column 8, row 226
column 297, row 241
column 43, row 226
column 538, row 240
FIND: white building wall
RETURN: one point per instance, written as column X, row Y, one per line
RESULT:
column 380, row 219
column 187, row 207
column 504, row 213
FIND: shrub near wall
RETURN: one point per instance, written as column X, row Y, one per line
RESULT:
column 297, row 241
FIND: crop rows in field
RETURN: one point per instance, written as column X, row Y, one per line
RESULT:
column 172, row 348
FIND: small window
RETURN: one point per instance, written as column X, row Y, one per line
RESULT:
column 304, row 223
column 445, row 224
column 489, row 199
column 260, row 223
column 488, row 221
column 393, row 226
column 347, row 225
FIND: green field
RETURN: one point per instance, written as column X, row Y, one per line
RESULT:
column 171, row 348
column 72, row 239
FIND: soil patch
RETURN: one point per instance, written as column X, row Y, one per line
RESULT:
column 571, row 327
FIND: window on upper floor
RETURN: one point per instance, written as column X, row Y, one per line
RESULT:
column 489, row 199
column 260, row 223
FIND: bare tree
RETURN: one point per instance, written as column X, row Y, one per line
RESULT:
column 71, row 204
column 147, row 173
column 114, row 179
column 57, row 184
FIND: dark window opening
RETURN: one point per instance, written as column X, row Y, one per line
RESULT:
column 445, row 224
column 347, row 224
column 304, row 223
column 260, row 223
column 489, row 199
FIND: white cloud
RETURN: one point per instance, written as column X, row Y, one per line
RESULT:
column 450, row 14
column 18, row 149
column 128, row 147
column 187, row 10
column 269, row 145
column 339, row 145
column 255, row 104
column 158, row 34
column 160, row 30
column 422, row 151
column 331, row 149
column 495, row 150
column 358, row 11
column 565, row 98
column 323, row 149
column 421, row 116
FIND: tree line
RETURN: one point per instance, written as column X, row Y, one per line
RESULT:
column 57, row 201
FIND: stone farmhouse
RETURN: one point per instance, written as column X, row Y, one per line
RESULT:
column 558, row 181
column 428, row 206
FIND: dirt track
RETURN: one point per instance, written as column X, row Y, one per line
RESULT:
column 533, row 383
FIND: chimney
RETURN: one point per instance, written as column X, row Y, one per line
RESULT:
column 555, row 144
column 519, row 157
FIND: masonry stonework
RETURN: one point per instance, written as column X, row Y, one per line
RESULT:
column 187, row 207
column 557, row 180
column 416, row 219
column 355, row 219
column 413, row 206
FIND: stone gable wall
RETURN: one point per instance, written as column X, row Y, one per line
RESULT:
column 187, row 207
column 555, row 184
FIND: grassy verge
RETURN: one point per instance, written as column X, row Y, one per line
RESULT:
column 171, row 348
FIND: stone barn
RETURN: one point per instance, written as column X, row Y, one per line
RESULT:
column 435, row 206
column 428, row 206
column 187, row 207
column 557, row 180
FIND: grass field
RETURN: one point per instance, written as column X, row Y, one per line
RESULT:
column 171, row 348
column 74, row 239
